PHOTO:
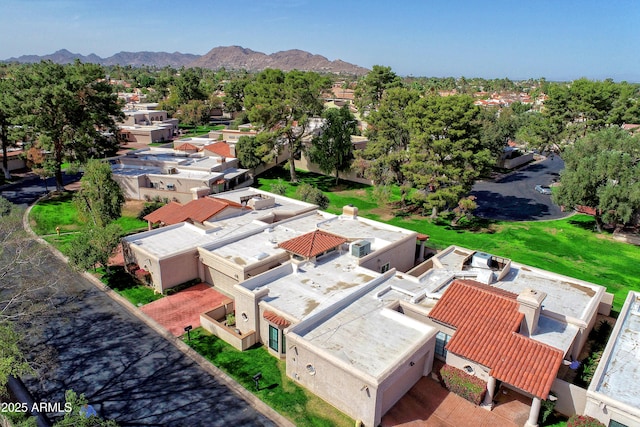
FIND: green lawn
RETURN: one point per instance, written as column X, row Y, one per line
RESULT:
column 568, row 246
column 59, row 211
column 124, row 284
column 193, row 131
column 276, row 390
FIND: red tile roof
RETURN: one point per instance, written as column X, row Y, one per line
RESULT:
column 312, row 244
column 487, row 321
column 221, row 148
column 271, row 317
column 186, row 147
column 196, row 210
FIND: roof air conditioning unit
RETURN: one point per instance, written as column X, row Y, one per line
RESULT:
column 360, row 248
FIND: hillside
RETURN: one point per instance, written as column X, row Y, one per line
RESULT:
column 229, row 57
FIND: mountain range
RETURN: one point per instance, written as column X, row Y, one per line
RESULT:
column 229, row 57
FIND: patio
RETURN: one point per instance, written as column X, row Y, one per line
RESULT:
column 430, row 404
column 174, row 312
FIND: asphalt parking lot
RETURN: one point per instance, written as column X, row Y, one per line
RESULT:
column 513, row 197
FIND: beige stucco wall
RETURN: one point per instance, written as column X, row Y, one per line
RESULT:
column 349, row 175
column 178, row 269
column 351, row 392
column 571, row 398
column 460, row 362
column 131, row 185
column 400, row 255
column 359, row 395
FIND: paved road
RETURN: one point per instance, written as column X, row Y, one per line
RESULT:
column 127, row 371
column 513, row 197
column 29, row 189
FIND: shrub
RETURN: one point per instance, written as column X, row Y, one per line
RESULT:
column 583, row 421
column 310, row 194
column 279, row 187
column 464, row 385
column 148, row 208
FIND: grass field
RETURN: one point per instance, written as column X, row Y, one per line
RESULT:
column 568, row 246
column 276, row 390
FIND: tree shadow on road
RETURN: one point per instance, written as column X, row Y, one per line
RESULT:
column 128, row 372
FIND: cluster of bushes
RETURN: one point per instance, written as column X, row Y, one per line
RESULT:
column 310, row 194
column 583, row 421
column 467, row 386
column 598, row 339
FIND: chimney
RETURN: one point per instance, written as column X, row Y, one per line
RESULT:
column 232, row 149
column 530, row 304
column 350, row 211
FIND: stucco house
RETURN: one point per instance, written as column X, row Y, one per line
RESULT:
column 182, row 173
column 360, row 316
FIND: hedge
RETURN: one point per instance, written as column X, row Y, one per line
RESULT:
column 467, row 386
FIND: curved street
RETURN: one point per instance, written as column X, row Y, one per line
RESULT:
column 513, row 197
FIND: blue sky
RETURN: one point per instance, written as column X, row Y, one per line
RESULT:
column 518, row 39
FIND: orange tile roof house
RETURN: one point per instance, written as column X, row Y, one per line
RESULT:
column 487, row 324
column 312, row 244
column 196, row 211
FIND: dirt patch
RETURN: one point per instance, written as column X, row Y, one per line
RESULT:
column 384, row 213
column 132, row 207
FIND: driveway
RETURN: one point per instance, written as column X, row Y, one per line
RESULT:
column 32, row 187
column 513, row 197
column 126, row 370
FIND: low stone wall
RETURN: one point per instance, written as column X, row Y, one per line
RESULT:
column 214, row 324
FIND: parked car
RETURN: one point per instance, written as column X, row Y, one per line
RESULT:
column 543, row 190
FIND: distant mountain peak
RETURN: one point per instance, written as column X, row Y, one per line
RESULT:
column 230, row 57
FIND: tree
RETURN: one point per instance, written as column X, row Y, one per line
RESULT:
column 93, row 246
column 99, row 200
column 538, row 132
column 389, row 137
column 251, row 151
column 332, row 150
column 194, row 112
column 602, row 171
column 12, row 360
column 187, row 86
column 80, row 414
column 281, row 105
column 234, row 94
column 372, row 86
column 445, row 153
column 8, row 114
column 28, row 289
column 71, row 111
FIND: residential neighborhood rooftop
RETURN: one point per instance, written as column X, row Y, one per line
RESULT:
column 366, row 334
column 619, row 376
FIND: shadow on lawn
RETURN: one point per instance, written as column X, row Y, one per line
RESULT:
column 321, row 182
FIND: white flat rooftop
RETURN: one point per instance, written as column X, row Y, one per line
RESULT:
column 166, row 241
column 566, row 296
column 315, row 287
column 366, row 334
column 620, row 378
column 359, row 228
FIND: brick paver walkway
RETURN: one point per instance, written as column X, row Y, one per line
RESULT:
column 430, row 404
column 174, row 312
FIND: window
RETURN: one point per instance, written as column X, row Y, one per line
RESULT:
column 384, row 268
column 284, row 344
column 614, row 423
column 442, row 340
column 273, row 338
column 469, row 370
